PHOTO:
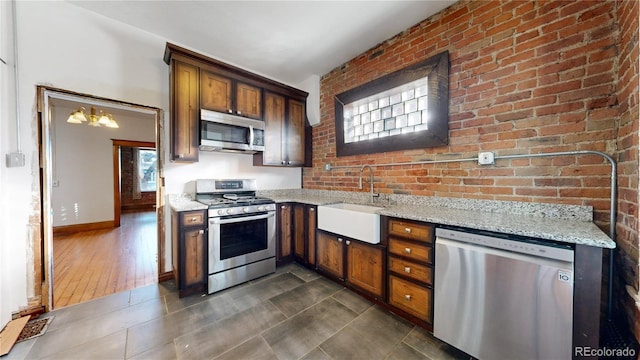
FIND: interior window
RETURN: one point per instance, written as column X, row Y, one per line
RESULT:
column 147, row 169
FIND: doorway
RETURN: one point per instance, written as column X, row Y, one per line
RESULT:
column 60, row 213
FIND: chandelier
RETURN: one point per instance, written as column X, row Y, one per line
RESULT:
column 80, row 116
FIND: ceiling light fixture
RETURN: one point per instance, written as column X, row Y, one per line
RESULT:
column 80, row 116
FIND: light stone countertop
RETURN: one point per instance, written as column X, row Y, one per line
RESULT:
column 556, row 222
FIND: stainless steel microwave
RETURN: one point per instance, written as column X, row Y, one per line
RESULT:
column 230, row 133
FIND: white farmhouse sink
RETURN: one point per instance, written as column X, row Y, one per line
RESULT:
column 358, row 222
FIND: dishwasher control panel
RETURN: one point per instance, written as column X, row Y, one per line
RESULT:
column 507, row 244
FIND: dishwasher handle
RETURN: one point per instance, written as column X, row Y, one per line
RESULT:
column 558, row 263
column 523, row 247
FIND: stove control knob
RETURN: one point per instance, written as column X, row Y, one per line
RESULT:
column 220, row 212
column 229, row 211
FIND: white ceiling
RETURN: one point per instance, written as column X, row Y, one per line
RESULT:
column 287, row 41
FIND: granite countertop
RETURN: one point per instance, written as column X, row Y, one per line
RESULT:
column 557, row 222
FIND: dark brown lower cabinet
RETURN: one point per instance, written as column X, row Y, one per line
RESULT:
column 304, row 234
column 189, row 250
column 284, row 246
column 356, row 263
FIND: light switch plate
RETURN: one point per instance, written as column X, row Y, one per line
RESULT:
column 15, row 159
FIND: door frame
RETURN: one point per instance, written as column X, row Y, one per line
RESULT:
column 43, row 265
column 117, row 144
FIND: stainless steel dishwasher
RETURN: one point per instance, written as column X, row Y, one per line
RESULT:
column 498, row 298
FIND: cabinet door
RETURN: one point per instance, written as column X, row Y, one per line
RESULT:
column 215, row 92
column 298, row 232
column 295, row 138
column 312, row 226
column 186, row 112
column 330, row 254
column 274, row 117
column 193, row 259
column 285, row 238
column 365, row 267
column 248, row 101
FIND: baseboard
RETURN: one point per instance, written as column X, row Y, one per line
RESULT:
column 68, row 229
column 166, row 276
column 33, row 311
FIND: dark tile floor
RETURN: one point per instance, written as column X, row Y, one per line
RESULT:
column 292, row 314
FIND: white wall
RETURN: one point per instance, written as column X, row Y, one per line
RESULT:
column 83, row 165
column 64, row 46
column 14, row 186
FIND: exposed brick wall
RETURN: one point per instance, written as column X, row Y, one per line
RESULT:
column 525, row 77
column 127, row 202
column 627, row 14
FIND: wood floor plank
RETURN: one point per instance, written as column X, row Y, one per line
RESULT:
column 92, row 264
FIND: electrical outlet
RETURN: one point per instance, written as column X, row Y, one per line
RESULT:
column 486, row 158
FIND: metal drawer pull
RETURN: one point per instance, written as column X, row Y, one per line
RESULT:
column 348, row 242
column 407, row 297
column 407, row 250
column 201, row 232
column 407, row 270
column 194, row 218
column 340, row 240
column 407, row 230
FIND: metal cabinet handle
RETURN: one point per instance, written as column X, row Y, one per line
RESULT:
column 348, row 242
column 407, row 250
column 201, row 232
column 312, row 209
column 194, row 218
column 239, row 112
column 407, row 270
column 283, row 162
column 289, row 162
column 230, row 111
column 407, row 230
column 180, row 156
column 407, row 297
column 339, row 240
column 283, row 207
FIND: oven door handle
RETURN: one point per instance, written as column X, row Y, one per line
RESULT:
column 241, row 219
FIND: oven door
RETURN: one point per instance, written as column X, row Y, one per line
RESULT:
column 239, row 240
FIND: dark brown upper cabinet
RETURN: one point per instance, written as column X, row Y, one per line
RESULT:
column 286, row 133
column 224, row 94
column 407, row 109
column 199, row 82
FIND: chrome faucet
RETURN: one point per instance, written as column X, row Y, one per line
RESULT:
column 371, row 193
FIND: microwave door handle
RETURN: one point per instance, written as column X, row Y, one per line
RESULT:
column 241, row 219
column 251, row 137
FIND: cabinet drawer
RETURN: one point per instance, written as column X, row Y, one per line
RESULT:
column 410, row 297
column 192, row 218
column 411, row 250
column 410, row 269
column 420, row 232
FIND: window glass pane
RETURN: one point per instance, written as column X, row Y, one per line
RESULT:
column 392, row 112
column 147, row 169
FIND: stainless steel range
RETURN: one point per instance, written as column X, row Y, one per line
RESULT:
column 242, row 230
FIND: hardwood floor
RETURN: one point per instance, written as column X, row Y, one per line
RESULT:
column 92, row 264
